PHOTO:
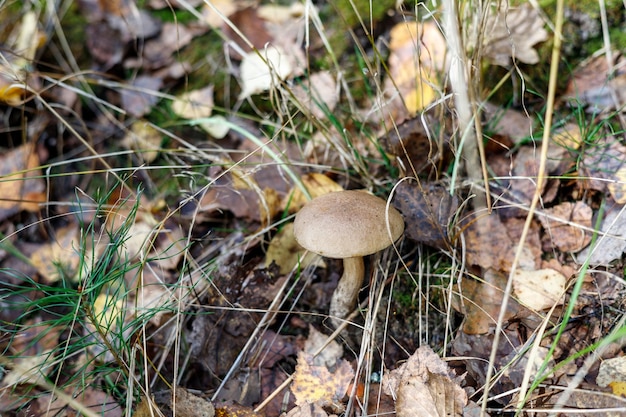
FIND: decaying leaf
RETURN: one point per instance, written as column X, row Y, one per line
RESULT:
column 308, row 410
column 487, row 231
column 264, row 70
column 604, row 164
column 139, row 98
column 482, row 301
column 611, row 241
column 593, row 84
column 318, row 95
column 109, row 312
column 328, row 357
column 317, row 385
column 568, row 237
column 197, row 104
column 540, row 289
column 215, row 11
column 427, row 209
column 60, row 258
column 187, row 404
column 21, row 185
column 511, row 33
column 612, row 373
column 418, row 52
column 145, row 139
column 316, row 184
column 425, row 386
column 415, row 146
column 242, row 196
column 287, row 253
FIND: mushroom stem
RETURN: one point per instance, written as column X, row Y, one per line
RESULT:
column 345, row 296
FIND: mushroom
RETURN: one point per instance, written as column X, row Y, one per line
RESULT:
column 347, row 225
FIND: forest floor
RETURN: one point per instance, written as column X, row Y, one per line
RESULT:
column 155, row 153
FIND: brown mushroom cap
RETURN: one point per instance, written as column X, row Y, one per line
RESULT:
column 347, row 224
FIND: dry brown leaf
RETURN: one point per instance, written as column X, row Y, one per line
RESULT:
column 511, row 33
column 612, row 372
column 427, row 209
column 425, row 386
column 187, row 404
column 482, row 301
column 215, row 11
column 514, row 124
column 19, row 189
column 540, row 289
column 287, row 253
column 61, row 257
column 317, row 385
column 568, row 238
column 485, row 233
column 594, row 85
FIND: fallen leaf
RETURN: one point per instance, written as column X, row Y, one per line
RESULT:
column 540, row 289
column 416, row 147
column 511, row 33
column 484, row 233
column 318, row 95
column 145, row 139
column 513, row 124
column 568, row 237
column 316, row 184
column 264, row 70
column 417, row 56
column 329, row 356
column 317, row 385
column 612, row 373
column 611, row 241
column 90, row 398
column 187, row 404
column 287, row 253
column 307, row 410
column 425, row 386
column 60, row 258
column 482, row 300
column 109, row 312
column 593, row 84
column 603, row 164
column 197, row 104
column 216, row 126
column 427, row 209
column 215, row 11
column 236, row 410
column 141, row 95
column 20, row 177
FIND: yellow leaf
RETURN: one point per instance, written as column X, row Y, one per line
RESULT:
column 108, row 311
column 286, row 252
column 619, row 388
column 317, row 385
column 317, row 185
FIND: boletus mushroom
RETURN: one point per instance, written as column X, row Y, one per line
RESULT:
column 347, row 225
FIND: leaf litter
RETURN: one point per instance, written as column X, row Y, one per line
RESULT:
column 219, row 249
